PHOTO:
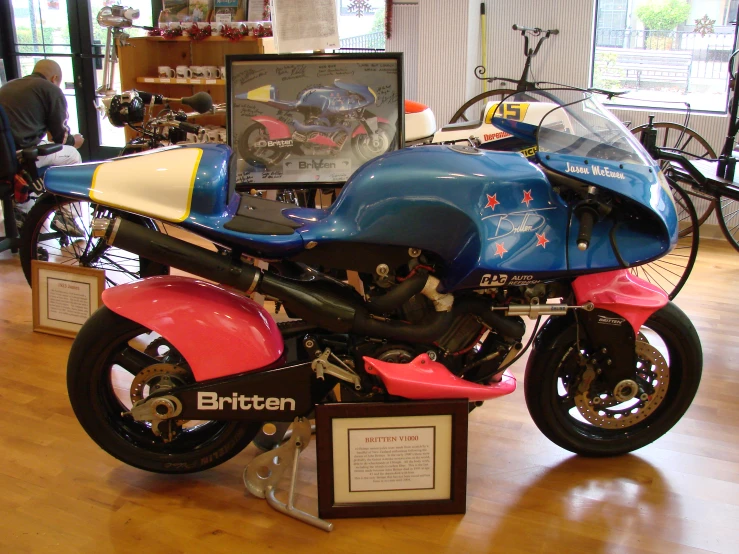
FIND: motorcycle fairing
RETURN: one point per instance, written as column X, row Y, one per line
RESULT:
column 482, row 212
column 218, row 332
column 276, row 129
column 424, row 379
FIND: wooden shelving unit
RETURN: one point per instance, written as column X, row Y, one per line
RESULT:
column 142, row 56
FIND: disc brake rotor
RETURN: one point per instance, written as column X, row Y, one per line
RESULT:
column 611, row 414
column 153, row 374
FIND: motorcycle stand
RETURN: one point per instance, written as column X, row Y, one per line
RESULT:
column 263, row 473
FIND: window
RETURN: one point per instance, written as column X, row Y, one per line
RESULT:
column 666, row 53
column 361, row 25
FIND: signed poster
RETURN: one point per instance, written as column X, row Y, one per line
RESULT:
column 312, row 118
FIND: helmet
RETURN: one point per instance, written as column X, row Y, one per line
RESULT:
column 126, row 107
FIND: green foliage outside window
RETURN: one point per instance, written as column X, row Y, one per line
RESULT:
column 664, row 15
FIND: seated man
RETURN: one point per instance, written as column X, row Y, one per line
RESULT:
column 36, row 106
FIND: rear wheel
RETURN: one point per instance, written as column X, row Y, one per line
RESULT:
column 59, row 230
column 571, row 404
column 367, row 147
column 254, row 148
column 728, row 219
column 113, row 363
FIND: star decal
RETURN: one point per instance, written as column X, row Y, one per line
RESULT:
column 492, row 201
column 541, row 240
column 527, row 197
column 500, row 249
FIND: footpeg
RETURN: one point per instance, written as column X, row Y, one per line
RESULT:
column 265, row 471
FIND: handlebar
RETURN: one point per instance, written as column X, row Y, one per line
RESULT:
column 200, row 102
column 535, row 30
column 188, row 127
column 587, row 217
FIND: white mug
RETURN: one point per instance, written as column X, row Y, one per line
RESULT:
column 223, row 72
column 165, row 72
column 174, row 25
column 213, row 72
column 198, row 71
column 183, row 71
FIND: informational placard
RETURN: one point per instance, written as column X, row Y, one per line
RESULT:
column 391, row 459
column 305, row 25
column 64, row 297
column 312, row 118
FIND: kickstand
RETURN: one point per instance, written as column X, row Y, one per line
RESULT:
column 264, row 472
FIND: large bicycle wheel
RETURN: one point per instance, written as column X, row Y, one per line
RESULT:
column 728, row 219
column 477, row 103
column 58, row 230
column 672, row 271
column 692, row 145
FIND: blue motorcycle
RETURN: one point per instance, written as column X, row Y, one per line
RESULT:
column 453, row 246
column 328, row 116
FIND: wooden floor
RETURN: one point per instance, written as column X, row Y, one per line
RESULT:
column 60, row 493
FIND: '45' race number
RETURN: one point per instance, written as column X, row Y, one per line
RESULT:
column 507, row 110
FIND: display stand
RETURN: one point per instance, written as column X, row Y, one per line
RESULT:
column 265, row 471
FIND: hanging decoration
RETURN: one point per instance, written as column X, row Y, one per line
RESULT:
column 52, row 4
column 388, row 18
column 359, row 6
column 704, row 26
column 267, row 13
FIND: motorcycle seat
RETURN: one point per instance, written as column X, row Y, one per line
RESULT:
column 363, row 90
column 259, row 216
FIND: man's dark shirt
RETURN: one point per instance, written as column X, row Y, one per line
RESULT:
column 35, row 106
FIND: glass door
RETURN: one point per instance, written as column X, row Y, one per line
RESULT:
column 67, row 32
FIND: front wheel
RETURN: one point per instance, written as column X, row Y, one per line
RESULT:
column 254, row 147
column 115, row 362
column 571, row 404
column 367, row 147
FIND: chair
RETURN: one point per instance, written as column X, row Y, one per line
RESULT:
column 11, row 163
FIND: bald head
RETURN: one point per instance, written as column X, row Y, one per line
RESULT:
column 49, row 69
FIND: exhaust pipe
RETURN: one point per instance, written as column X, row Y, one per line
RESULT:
column 325, row 302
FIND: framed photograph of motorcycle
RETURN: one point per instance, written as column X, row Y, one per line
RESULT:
column 64, row 296
column 397, row 459
column 312, row 118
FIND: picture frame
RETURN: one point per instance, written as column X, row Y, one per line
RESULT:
column 365, row 471
column 64, row 296
column 319, row 116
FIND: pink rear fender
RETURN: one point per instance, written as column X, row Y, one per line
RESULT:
column 276, row 129
column 621, row 292
column 219, row 333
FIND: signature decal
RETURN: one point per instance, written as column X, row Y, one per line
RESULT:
column 597, row 170
column 526, row 221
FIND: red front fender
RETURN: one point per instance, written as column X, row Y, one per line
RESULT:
column 362, row 131
column 622, row 293
column 276, row 129
column 219, row 333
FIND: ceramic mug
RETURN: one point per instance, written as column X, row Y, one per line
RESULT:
column 213, row 72
column 223, row 72
column 198, row 72
column 165, row 72
column 174, row 25
column 183, row 72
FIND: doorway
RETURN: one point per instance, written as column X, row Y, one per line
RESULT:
column 67, row 32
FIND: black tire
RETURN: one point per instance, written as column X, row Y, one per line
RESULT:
column 259, row 157
column 96, row 360
column 39, row 241
column 671, row 272
column 728, row 219
column 551, row 408
column 692, row 145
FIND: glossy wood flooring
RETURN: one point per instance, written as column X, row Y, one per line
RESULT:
column 60, row 493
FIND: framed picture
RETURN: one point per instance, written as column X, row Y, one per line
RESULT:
column 392, row 459
column 312, row 118
column 64, row 296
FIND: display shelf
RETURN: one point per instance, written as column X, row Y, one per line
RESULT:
column 207, row 39
column 180, row 81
